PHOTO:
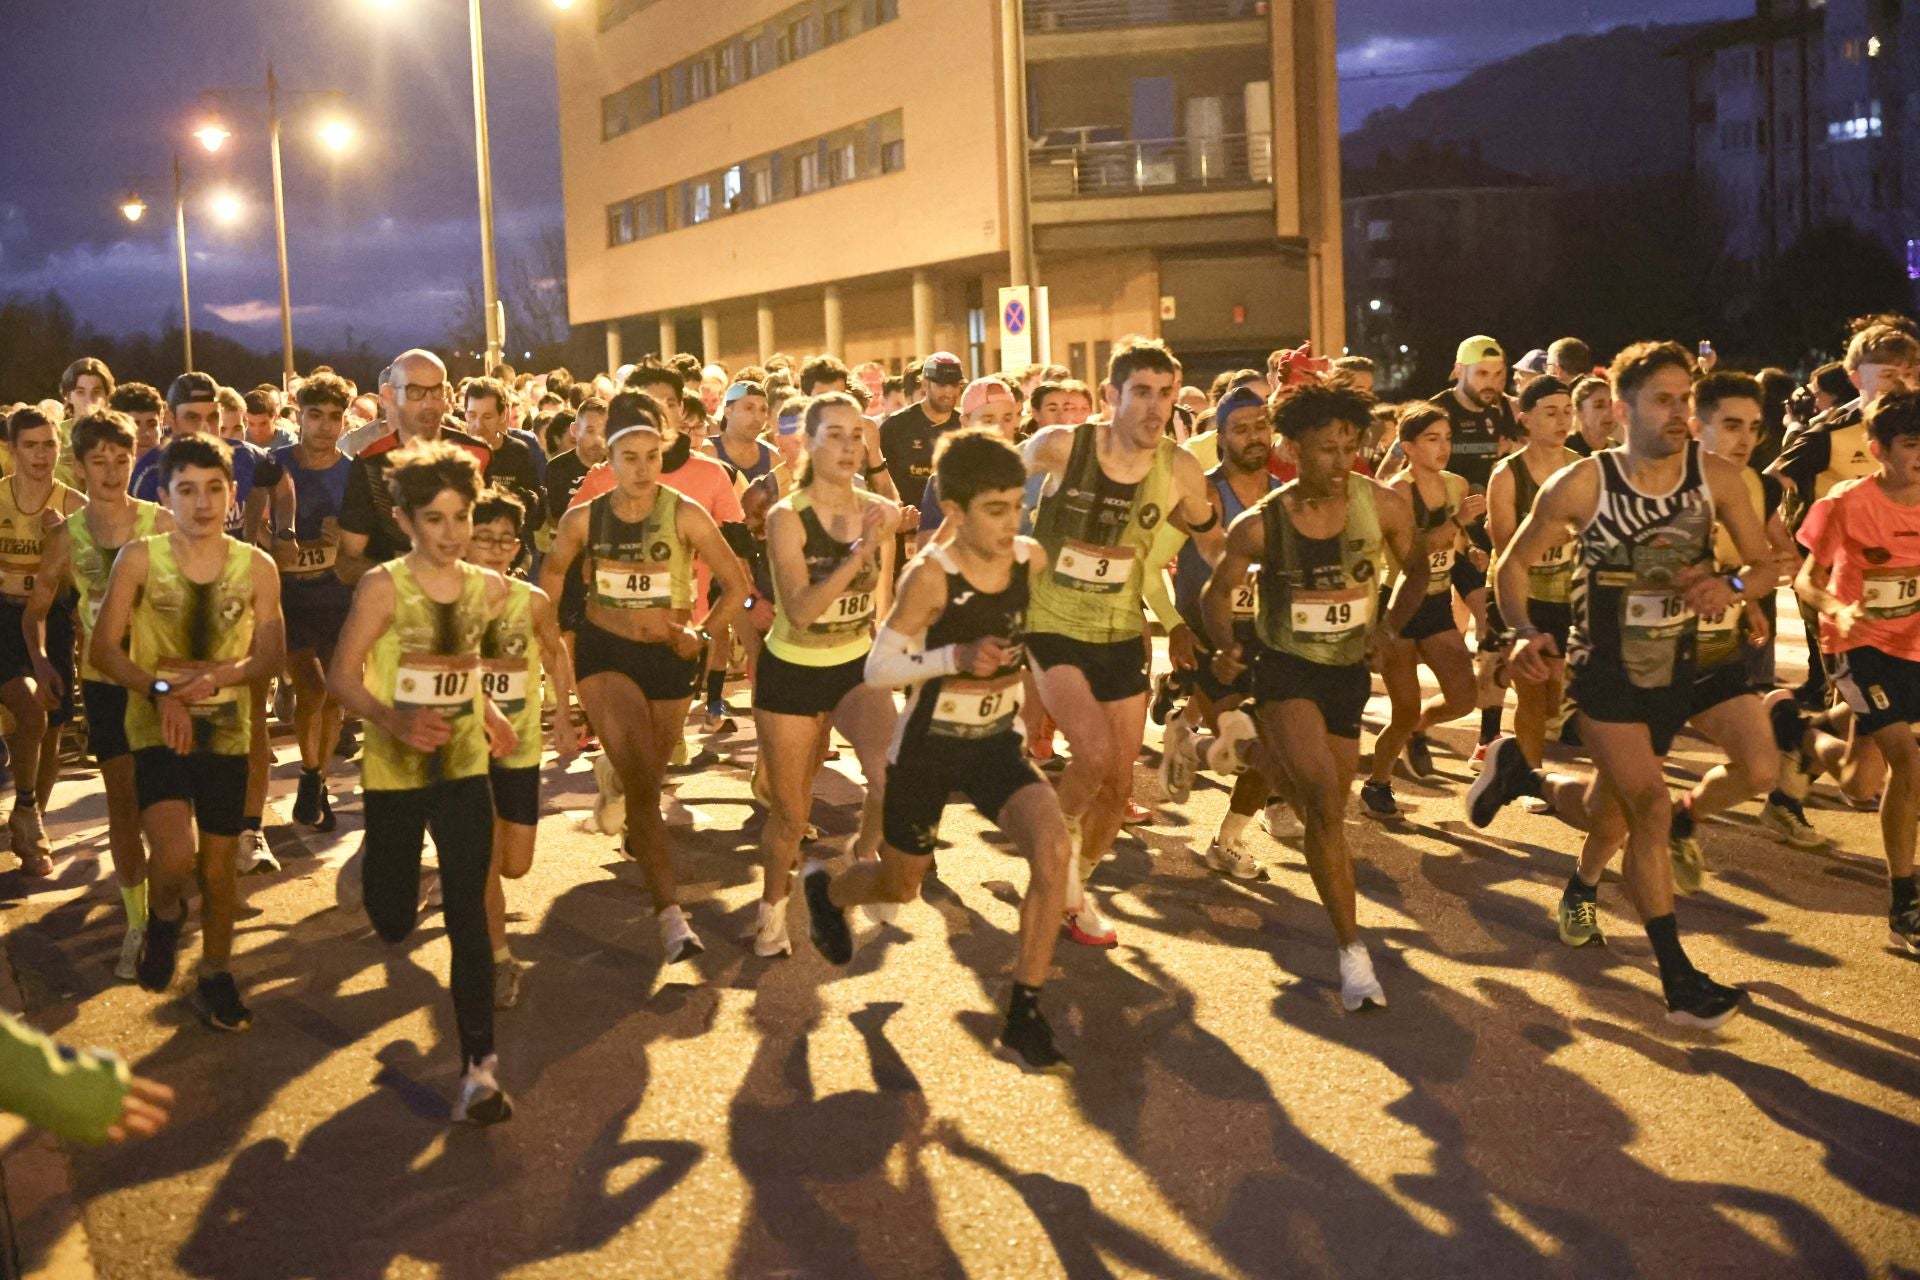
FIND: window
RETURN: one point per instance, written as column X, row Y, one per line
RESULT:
column 732, row 188
column 893, row 156
column 620, row 223
column 760, row 184
column 1913, row 259
column 809, row 172
column 702, row 78
column 677, row 97
column 834, row 26
column 733, row 64
column 1379, row 229
column 805, row 36
column 613, row 115
column 841, row 164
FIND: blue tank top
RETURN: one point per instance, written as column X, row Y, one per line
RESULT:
column 317, row 495
column 1190, row 570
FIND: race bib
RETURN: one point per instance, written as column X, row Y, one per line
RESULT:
column 16, row 582
column 976, row 708
column 1723, row 624
column 505, row 681
column 1246, row 596
column 1655, row 612
column 1439, row 563
column 1084, row 567
column 1331, row 615
column 1554, row 557
column 633, row 586
column 444, row 682
column 1891, row 593
column 179, row 672
column 847, row 614
column 314, row 557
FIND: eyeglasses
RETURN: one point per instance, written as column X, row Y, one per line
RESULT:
column 495, row 540
column 415, row 392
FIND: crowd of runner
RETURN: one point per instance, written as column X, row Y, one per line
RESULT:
column 950, row 578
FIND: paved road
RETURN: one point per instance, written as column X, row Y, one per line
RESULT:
column 1520, row 1110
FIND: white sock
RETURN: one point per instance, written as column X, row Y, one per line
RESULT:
column 1231, row 828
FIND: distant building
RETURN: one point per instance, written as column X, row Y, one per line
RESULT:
column 830, row 175
column 1439, row 245
column 1804, row 113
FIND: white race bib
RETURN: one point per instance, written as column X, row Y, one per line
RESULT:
column 443, row 683
column 1727, row 620
column 1331, row 615
column 1557, row 556
column 976, row 708
column 1650, row 610
column 634, row 586
column 1246, row 596
column 314, row 557
column 1891, row 594
column 503, row 683
column 1439, row 563
column 16, row 582
column 1084, row 567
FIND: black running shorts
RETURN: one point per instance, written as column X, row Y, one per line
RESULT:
column 1339, row 692
column 988, row 772
column 1115, row 671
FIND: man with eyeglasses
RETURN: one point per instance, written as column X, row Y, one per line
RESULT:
column 415, row 398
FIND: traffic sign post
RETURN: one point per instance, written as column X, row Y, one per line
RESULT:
column 1023, row 327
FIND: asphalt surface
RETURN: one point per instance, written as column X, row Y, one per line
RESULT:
column 1521, row 1109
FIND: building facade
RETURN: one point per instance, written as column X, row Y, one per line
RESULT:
column 832, row 175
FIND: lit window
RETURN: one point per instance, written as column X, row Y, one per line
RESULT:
column 1913, row 259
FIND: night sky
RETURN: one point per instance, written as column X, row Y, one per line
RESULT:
column 384, row 242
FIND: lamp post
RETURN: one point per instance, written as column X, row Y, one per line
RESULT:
column 133, row 208
column 335, row 134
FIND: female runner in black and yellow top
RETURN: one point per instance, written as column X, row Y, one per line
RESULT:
column 407, row 663
column 637, row 654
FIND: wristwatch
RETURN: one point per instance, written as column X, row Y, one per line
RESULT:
column 160, row 688
column 1738, row 584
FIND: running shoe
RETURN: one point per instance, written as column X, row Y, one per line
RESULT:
column 306, row 800
column 482, row 1100
column 1479, row 755
column 1227, row 755
column 158, row 951
column 507, row 975
column 29, row 835
column 1136, row 814
column 1041, row 749
column 770, row 930
column 251, row 857
column 677, row 938
column 1378, row 799
column 433, row 897
column 1503, row 779
column 1177, row 760
column 720, row 717
column 1580, row 922
column 610, row 801
column 1535, row 805
column 881, row 913
column 1359, row 989
column 1695, row 1000
column 1420, row 757
column 1281, row 822
column 826, row 923
column 217, row 1000
column 128, row 969
column 349, row 887
column 1786, row 818
column 680, row 755
column 1689, row 868
column 1166, row 692
column 349, row 742
column 1237, row 863
column 1086, row 926
column 1027, row 1042
column 1869, row 805
column 1903, row 929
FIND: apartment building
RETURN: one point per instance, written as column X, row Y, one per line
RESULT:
column 744, row 176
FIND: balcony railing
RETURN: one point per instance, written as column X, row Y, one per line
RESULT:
column 1045, row 16
column 1152, row 167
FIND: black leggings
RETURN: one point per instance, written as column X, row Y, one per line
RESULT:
column 460, row 815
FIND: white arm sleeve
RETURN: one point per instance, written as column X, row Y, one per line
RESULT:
column 896, row 660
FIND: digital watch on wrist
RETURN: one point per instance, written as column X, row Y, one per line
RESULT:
column 160, row 688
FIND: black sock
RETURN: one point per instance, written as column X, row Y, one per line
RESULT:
column 1777, row 796
column 1533, row 783
column 1664, row 933
column 23, row 798
column 1490, row 723
column 1682, row 818
column 1904, row 893
column 310, row 773
column 1578, row 888
column 716, row 685
column 251, row 822
column 1024, row 1001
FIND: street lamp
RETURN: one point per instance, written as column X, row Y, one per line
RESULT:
column 133, row 208
column 335, row 133
column 227, row 208
column 489, row 276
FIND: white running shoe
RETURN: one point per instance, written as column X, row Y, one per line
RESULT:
column 1227, row 754
column 1281, row 822
column 677, row 938
column 881, row 912
column 251, row 857
column 1358, row 987
column 1237, row 863
column 610, row 805
column 482, row 1100
column 128, row 968
column 349, row 889
column 1086, row 926
column 29, row 833
column 1177, row 760
column 435, row 898
column 770, row 930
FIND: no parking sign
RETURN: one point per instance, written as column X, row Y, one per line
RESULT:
column 1023, row 316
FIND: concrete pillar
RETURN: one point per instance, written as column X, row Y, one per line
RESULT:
column 836, row 323
column 922, row 314
column 710, row 334
column 614, row 360
column 763, row 325
column 669, row 337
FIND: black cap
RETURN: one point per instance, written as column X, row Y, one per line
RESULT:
column 192, row 388
column 943, row 367
column 1539, row 389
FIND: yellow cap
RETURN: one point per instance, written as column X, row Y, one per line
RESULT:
column 1477, row 348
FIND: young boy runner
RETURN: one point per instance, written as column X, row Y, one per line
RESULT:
column 81, row 552
column 1644, row 515
column 312, row 596
column 407, row 665
column 521, row 646
column 1862, row 575
column 1320, row 541
column 200, row 615
column 32, row 503
column 954, row 640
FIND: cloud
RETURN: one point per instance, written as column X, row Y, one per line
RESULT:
column 260, row 311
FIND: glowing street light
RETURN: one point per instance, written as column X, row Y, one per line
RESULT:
column 336, row 135
column 227, row 207
column 133, row 208
column 212, row 135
